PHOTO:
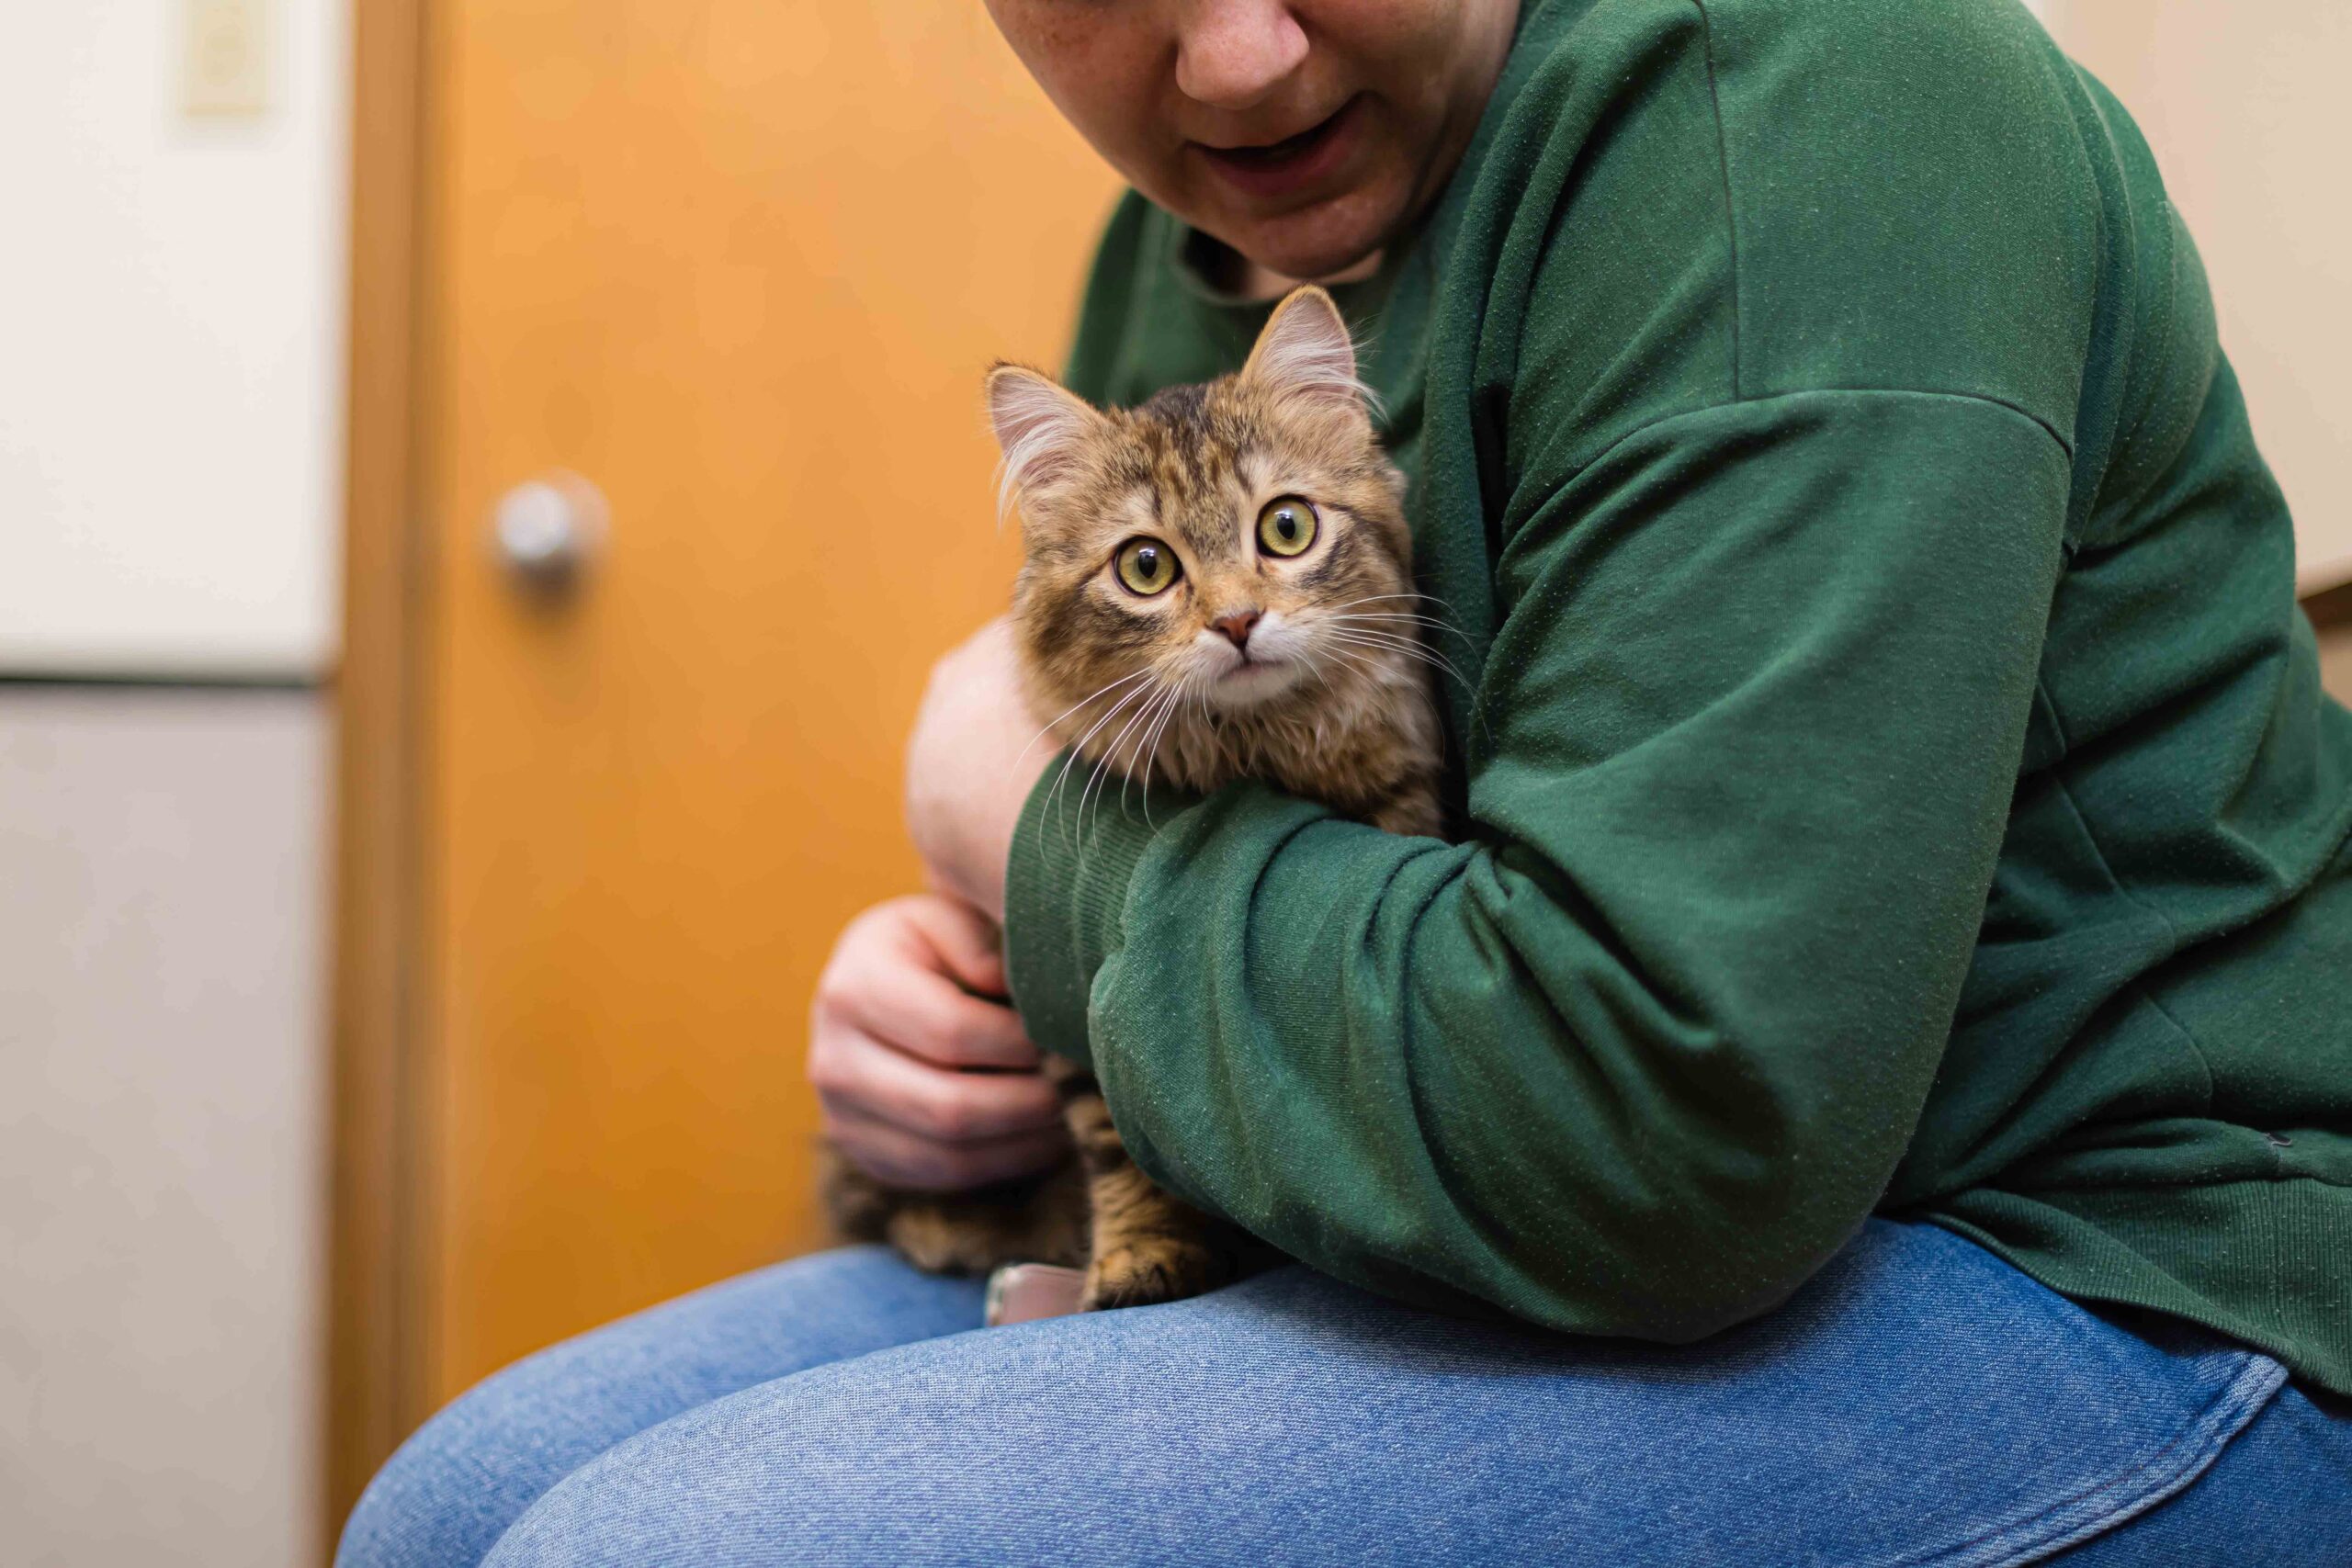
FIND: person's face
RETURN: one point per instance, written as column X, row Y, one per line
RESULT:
column 1303, row 133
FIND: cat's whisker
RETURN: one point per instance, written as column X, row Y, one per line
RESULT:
column 1146, row 748
column 1435, row 661
column 1063, row 778
column 1183, row 688
column 1110, row 759
column 1127, row 773
column 1407, row 594
column 1382, row 598
column 1415, row 616
column 1127, row 779
column 1391, row 634
column 1113, row 749
column 1315, row 668
column 1359, row 660
column 1157, row 716
column 1393, row 643
column 1099, row 691
column 1409, row 625
column 1432, row 622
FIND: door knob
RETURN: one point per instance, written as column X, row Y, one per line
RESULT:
column 548, row 530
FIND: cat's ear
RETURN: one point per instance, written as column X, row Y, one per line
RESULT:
column 1040, row 427
column 1304, row 352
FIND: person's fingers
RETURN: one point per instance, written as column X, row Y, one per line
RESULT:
column 900, row 1158
column 967, row 942
column 875, row 985
column 854, row 1068
column 925, row 1016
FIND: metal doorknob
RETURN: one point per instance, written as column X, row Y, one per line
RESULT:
column 546, row 531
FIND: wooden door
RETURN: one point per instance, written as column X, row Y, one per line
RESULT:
column 740, row 264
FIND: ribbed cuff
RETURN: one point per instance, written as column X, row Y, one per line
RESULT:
column 1066, row 897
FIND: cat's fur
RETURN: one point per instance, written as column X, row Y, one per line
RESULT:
column 1327, row 694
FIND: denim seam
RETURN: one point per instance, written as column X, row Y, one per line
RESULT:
column 2203, row 1437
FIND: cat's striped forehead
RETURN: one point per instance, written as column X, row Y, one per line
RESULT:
column 1186, row 455
column 1192, row 455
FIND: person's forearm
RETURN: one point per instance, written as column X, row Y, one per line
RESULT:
column 971, row 761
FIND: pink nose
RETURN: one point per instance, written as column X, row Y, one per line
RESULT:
column 1235, row 628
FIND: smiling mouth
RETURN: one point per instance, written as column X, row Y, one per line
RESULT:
column 1288, row 147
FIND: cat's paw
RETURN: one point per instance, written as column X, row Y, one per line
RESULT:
column 938, row 1242
column 1148, row 1273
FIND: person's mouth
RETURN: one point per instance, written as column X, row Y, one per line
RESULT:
column 1271, row 170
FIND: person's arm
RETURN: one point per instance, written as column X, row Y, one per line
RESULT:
column 1642, row 1051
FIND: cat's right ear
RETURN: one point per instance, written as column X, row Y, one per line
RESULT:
column 1305, row 354
column 1041, row 427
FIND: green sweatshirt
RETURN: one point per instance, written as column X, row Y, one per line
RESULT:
column 1890, row 773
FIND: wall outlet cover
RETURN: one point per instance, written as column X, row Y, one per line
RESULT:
column 224, row 70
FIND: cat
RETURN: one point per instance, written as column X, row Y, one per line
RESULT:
column 1217, row 585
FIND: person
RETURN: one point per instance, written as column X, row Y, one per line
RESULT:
column 1868, row 1081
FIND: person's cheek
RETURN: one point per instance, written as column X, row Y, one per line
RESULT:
column 1102, row 67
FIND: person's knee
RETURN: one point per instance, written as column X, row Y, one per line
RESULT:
column 665, row 1497
column 604, row 1514
column 450, row 1491
column 863, row 1464
column 413, row 1513
column 473, row 1470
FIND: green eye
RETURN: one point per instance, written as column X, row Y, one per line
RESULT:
column 1147, row 565
column 1286, row 526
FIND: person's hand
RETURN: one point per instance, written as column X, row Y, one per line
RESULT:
column 897, row 1038
column 970, row 765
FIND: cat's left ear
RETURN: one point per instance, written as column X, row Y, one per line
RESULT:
column 1304, row 352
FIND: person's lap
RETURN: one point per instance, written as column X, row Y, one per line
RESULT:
column 1918, row 1402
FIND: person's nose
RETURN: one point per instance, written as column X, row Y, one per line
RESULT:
column 1231, row 54
column 1236, row 627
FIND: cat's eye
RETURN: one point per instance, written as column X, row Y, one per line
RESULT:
column 1286, row 526
column 1147, row 565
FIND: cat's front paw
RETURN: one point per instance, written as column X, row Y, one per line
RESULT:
column 941, row 1242
column 1146, row 1273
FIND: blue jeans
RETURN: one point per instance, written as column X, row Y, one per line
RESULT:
column 1920, row 1402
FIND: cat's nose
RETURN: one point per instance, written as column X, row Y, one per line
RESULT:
column 1235, row 628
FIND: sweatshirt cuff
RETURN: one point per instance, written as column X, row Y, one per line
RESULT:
column 1065, row 899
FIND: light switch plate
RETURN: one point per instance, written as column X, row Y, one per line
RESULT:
column 224, row 70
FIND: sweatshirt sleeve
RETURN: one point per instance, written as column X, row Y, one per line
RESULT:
column 1639, row 1055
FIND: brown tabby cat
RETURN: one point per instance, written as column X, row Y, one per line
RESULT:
column 1218, row 585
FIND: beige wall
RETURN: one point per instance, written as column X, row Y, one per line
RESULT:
column 160, row 1126
column 2335, row 663
column 2245, row 106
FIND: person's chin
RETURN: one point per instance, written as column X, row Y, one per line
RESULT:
column 1315, row 239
